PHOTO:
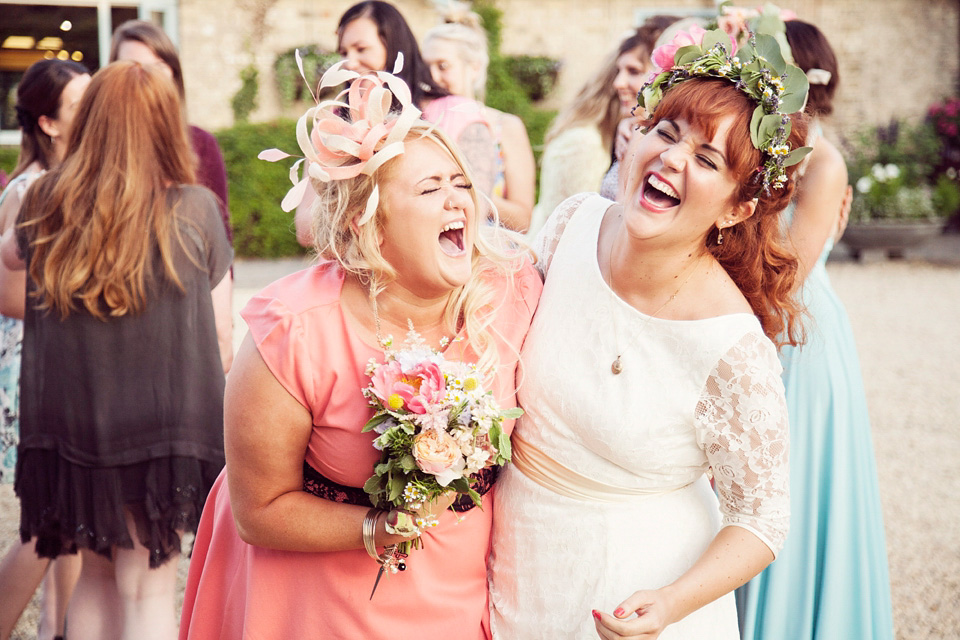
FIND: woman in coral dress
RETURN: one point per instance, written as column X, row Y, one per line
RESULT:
column 280, row 552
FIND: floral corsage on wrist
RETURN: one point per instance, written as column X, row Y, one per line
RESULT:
column 437, row 429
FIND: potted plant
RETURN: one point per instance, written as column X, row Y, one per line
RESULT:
column 895, row 205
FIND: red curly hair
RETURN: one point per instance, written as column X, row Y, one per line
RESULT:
column 754, row 252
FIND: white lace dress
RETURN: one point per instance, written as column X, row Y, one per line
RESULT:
column 693, row 395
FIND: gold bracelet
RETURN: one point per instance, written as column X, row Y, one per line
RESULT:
column 369, row 532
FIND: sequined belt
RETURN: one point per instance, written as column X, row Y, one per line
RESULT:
column 319, row 485
column 550, row 474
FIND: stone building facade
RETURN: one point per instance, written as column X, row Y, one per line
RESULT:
column 896, row 56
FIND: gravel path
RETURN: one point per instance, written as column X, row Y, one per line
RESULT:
column 906, row 317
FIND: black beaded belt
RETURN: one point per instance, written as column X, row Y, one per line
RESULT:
column 319, row 485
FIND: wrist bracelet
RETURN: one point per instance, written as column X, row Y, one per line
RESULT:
column 369, row 531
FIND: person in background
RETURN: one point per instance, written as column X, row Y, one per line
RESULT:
column 831, row 580
column 579, row 145
column 47, row 99
column 121, row 381
column 633, row 69
column 373, row 36
column 146, row 43
column 457, row 54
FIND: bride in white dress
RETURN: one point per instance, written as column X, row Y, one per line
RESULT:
column 648, row 364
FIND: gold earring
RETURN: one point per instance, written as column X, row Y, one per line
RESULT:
column 719, row 236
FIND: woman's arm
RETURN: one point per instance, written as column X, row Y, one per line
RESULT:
column 742, row 427
column 13, row 276
column 519, row 172
column 821, row 194
column 222, row 296
column 734, row 556
column 265, row 435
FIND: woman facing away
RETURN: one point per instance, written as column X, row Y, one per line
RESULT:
column 148, row 44
column 121, row 378
column 47, row 98
column 606, row 523
column 282, row 550
column 579, row 144
column 374, row 36
column 831, row 579
column 457, row 54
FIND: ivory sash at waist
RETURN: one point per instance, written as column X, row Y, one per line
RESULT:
column 550, row 474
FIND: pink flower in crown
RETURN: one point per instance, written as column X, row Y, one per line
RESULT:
column 664, row 55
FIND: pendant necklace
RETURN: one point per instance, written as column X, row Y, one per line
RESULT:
column 617, row 366
column 376, row 319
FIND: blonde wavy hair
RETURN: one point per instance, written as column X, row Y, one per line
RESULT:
column 356, row 248
column 94, row 221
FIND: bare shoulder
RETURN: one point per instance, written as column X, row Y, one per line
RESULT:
column 513, row 126
column 712, row 295
column 826, row 160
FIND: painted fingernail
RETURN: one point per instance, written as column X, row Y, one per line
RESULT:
column 618, row 612
column 596, row 614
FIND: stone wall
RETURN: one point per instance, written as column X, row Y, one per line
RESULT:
column 897, row 56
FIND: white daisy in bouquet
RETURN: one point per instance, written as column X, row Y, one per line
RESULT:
column 437, row 429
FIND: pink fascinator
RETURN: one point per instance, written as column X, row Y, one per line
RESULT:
column 352, row 134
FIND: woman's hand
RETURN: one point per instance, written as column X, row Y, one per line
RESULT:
column 654, row 611
column 625, row 131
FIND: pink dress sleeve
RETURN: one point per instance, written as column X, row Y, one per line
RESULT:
column 275, row 317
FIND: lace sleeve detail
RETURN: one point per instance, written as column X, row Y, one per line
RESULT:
column 742, row 427
column 545, row 244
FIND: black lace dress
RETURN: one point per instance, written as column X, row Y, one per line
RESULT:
column 126, row 414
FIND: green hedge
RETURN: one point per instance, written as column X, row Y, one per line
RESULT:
column 261, row 229
column 8, row 158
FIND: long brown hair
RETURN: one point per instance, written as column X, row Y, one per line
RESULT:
column 597, row 102
column 38, row 94
column 93, row 222
column 753, row 252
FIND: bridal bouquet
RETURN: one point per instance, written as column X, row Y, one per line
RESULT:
column 437, row 429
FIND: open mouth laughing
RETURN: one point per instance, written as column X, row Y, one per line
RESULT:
column 660, row 193
column 451, row 239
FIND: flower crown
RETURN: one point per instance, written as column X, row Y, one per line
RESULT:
column 352, row 134
column 758, row 70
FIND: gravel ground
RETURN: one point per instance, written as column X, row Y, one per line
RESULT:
column 906, row 318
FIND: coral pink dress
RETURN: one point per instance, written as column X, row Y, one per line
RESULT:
column 236, row 590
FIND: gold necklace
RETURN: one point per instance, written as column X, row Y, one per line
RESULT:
column 617, row 366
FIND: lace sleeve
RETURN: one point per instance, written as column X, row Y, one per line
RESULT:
column 547, row 240
column 742, row 427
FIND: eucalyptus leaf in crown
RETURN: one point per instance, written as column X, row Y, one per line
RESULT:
column 758, row 69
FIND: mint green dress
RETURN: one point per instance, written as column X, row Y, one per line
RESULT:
column 831, row 579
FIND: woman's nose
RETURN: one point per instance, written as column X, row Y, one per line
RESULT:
column 673, row 157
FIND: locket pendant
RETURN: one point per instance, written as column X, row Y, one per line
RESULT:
column 616, row 367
